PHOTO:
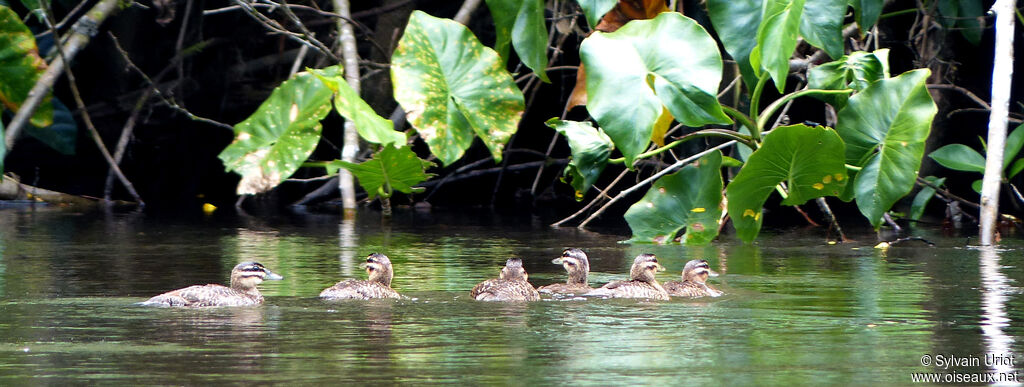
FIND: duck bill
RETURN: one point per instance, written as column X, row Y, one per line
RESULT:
column 660, row 268
column 712, row 273
column 557, row 261
column 271, row 276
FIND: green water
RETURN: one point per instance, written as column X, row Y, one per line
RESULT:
column 796, row 310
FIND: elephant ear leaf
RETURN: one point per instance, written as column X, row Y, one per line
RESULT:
column 885, row 127
column 453, row 87
column 590, row 151
column 20, row 67
column 521, row 23
column 690, row 199
column 391, row 168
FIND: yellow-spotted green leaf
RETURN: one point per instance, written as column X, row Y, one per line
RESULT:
column 822, row 25
column 866, row 12
column 594, row 10
column 777, row 38
column 885, row 127
column 451, row 87
column 959, row 157
column 20, row 67
column 808, row 159
column 632, row 73
column 590, row 151
column 855, row 71
column 690, row 199
column 3, row 150
column 391, row 169
column 62, row 134
column 275, row 140
column 736, row 21
column 924, row 196
column 521, row 23
column 371, row 127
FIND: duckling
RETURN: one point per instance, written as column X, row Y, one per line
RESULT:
column 244, row 278
column 577, row 265
column 642, row 283
column 695, row 276
column 378, row 268
column 512, row 285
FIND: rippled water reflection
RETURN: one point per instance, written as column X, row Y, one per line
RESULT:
column 796, row 310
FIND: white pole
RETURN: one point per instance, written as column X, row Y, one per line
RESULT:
column 1002, row 76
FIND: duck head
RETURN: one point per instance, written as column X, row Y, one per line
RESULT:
column 576, row 264
column 513, row 270
column 378, row 268
column 645, row 267
column 247, row 275
column 698, row 271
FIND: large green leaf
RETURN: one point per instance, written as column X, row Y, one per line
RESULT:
column 866, row 12
column 808, row 159
column 776, row 39
column 924, row 196
column 389, row 170
column 884, row 128
column 590, row 151
column 959, row 157
column 3, row 150
column 275, row 140
column 690, row 198
column 521, row 22
column 1013, row 144
column 348, row 104
column 594, row 10
column 963, row 15
column 822, row 25
column 631, row 73
column 20, row 67
column 735, row 22
column 451, row 87
column 855, row 71
column 62, row 134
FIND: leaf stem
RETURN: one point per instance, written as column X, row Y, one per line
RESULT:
column 755, row 102
column 739, row 116
column 722, row 133
column 770, row 110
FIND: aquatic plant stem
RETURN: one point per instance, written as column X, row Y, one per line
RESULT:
column 651, row 179
column 1002, row 78
column 350, row 147
column 81, row 33
column 602, row 196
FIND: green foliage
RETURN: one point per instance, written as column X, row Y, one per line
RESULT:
column 822, row 25
column 961, row 157
column 735, row 22
column 803, row 157
column 884, row 128
column 776, row 39
column 36, row 8
column 391, row 169
column 690, row 198
column 20, row 67
column 521, row 22
column 964, row 15
column 3, row 150
column 62, row 134
column 371, row 127
column 632, row 73
column 924, row 196
column 451, row 87
column 590, row 151
column 866, row 12
column 274, row 141
column 595, row 9
column 855, row 71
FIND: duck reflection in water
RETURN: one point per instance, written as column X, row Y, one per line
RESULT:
column 378, row 269
column 512, row 285
column 694, row 283
column 242, row 291
column 642, row 282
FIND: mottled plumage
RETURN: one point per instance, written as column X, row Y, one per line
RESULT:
column 577, row 265
column 513, row 285
column 642, row 283
column 378, row 268
column 693, row 285
column 244, row 278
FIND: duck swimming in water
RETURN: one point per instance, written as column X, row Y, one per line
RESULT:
column 577, row 265
column 642, row 282
column 244, row 278
column 378, row 268
column 695, row 276
column 512, row 285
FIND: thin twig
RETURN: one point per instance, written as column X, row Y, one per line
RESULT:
column 651, row 179
column 468, row 6
column 963, row 91
column 602, row 196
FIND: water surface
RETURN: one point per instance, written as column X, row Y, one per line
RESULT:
column 797, row 310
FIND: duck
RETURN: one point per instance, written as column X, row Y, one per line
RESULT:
column 642, row 282
column 242, row 291
column 577, row 265
column 378, row 269
column 695, row 275
column 512, row 285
